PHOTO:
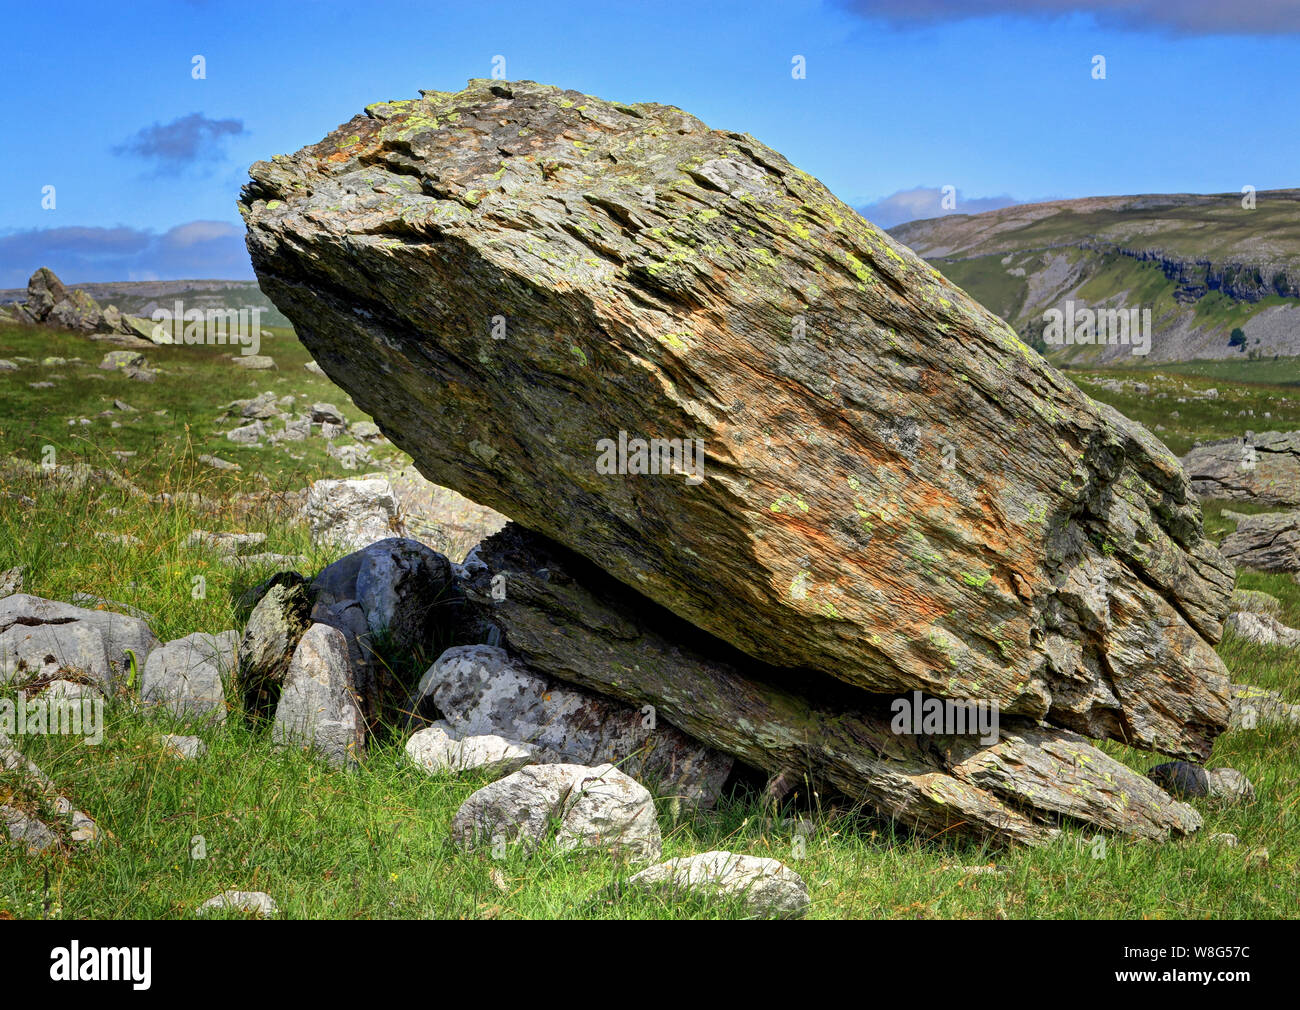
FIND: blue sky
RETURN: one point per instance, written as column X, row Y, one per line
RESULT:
column 993, row 97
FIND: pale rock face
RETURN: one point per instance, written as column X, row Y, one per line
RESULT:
column 438, row 753
column 317, row 707
column 257, row 903
column 1261, row 629
column 186, row 677
column 596, row 808
column 766, row 886
column 44, row 636
column 351, row 513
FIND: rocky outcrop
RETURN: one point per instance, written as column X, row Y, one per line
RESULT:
column 1261, row 467
column 39, row 638
column 50, row 303
column 860, row 473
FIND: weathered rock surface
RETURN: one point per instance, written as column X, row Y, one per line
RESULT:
column 80, row 826
column 1254, row 601
column 767, row 886
column 434, row 750
column 1267, row 542
column 568, row 619
column 186, row 748
column 187, row 677
column 478, row 689
column 279, row 620
column 352, row 513
column 1261, row 467
column 318, row 708
column 396, row 587
column 594, row 808
column 874, row 479
column 257, row 903
column 1260, row 629
column 1254, row 707
column 40, row 637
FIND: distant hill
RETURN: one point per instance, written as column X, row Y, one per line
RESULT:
column 140, row 298
column 1204, row 266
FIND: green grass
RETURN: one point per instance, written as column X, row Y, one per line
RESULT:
column 374, row 842
column 174, row 418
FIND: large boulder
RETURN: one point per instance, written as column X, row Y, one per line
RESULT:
column 855, row 470
column 351, row 513
column 1260, row 467
column 275, row 626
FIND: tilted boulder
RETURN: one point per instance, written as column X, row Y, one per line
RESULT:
column 1260, row 467
column 860, row 471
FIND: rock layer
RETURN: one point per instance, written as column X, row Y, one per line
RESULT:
column 873, row 479
column 570, row 620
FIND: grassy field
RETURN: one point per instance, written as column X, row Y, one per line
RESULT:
column 374, row 842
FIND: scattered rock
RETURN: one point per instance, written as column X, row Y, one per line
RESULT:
column 1255, row 602
column 352, row 513
column 186, row 748
column 366, row 431
column 437, row 753
column 254, row 362
column 1262, row 467
column 120, row 539
column 1225, row 839
column 11, row 580
column 228, row 544
column 477, row 689
column 217, row 463
column 122, row 360
column 317, row 706
column 247, row 434
column 327, row 413
column 1260, row 629
column 185, row 676
column 1181, row 778
column 81, row 827
column 1253, row 707
column 767, row 887
column 27, row 829
column 1267, row 542
column 257, row 903
column 315, row 369
column 594, row 808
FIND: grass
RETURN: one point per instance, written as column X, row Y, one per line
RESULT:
column 374, row 842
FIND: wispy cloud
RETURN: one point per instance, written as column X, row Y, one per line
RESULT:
column 927, row 201
column 1170, row 17
column 189, row 140
column 197, row 249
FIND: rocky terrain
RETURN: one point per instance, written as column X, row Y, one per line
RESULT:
column 1205, row 266
column 768, row 474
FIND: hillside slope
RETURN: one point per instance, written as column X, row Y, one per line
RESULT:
column 1203, row 265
